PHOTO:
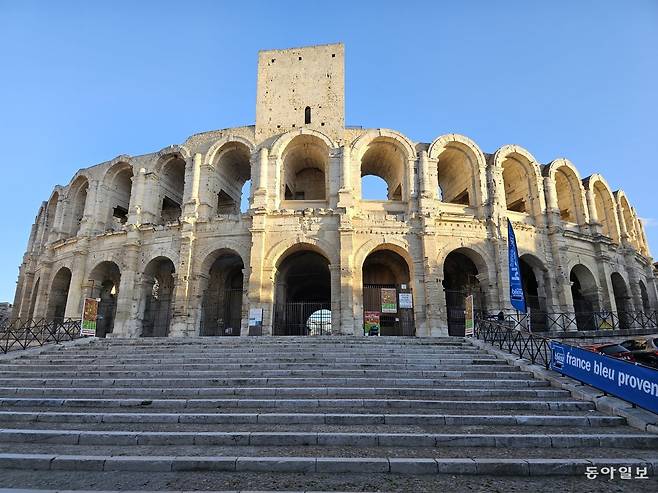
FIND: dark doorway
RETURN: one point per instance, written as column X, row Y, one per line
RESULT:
column 158, row 294
column 303, row 295
column 585, row 297
column 105, row 279
column 622, row 301
column 59, row 294
column 222, row 300
column 535, row 304
column 459, row 281
column 387, row 293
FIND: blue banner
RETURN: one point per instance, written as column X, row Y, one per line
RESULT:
column 633, row 383
column 517, row 296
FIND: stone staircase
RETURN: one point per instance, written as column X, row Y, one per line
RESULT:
column 386, row 407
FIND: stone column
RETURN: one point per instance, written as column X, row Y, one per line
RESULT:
column 258, row 276
column 127, row 321
column 335, row 280
column 75, row 296
column 58, row 228
column 260, row 166
column 345, row 193
column 89, row 225
column 346, row 279
column 594, row 224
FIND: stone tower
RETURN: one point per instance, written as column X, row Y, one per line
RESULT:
column 301, row 87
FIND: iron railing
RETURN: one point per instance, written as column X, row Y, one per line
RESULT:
column 18, row 334
column 575, row 321
column 514, row 340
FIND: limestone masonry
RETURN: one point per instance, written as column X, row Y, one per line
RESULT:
column 160, row 238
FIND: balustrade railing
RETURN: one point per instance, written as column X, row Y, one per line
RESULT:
column 21, row 334
column 541, row 321
column 514, row 340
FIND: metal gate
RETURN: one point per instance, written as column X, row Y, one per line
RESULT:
column 105, row 319
column 400, row 323
column 302, row 318
column 456, row 307
column 223, row 317
column 157, row 317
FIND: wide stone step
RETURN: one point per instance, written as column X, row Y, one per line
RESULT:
column 252, row 352
column 298, row 403
column 307, row 464
column 221, row 373
column 55, row 379
column 636, row 441
column 181, row 392
column 77, row 418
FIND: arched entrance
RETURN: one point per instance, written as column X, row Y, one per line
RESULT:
column 302, row 295
column 622, row 300
column 158, row 297
column 534, row 293
column 59, row 294
column 646, row 306
column 221, row 313
column 106, row 278
column 387, row 293
column 585, row 297
column 460, row 279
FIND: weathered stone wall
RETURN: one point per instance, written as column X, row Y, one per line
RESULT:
column 136, row 214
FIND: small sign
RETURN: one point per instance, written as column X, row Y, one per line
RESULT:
column 371, row 324
column 406, row 300
column 89, row 317
column 469, row 322
column 389, row 303
column 255, row 317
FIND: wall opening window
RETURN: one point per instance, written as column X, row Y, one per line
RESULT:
column 385, row 161
column 172, row 186
column 455, row 177
column 305, row 162
column 231, row 182
column 307, row 115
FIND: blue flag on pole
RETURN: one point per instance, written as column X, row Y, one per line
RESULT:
column 515, row 284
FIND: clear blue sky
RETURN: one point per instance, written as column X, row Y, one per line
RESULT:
column 82, row 82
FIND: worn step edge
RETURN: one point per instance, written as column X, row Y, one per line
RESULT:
column 360, row 440
column 313, row 418
column 416, row 466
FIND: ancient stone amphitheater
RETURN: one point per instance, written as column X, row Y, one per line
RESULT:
column 161, row 239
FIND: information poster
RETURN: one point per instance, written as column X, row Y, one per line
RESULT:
column 389, row 300
column 470, row 316
column 371, row 323
column 406, row 300
column 89, row 317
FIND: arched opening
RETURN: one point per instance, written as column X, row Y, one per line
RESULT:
column 222, row 299
column 605, row 211
column 172, row 187
column 307, row 115
column 387, row 294
column 534, row 295
column 622, row 300
column 302, row 295
column 33, row 300
column 373, row 188
column 158, row 297
column 119, row 187
column 231, row 183
column 305, row 165
column 105, row 280
column 460, row 279
column 568, row 194
column 78, row 200
column 516, row 181
column 627, row 217
column 456, row 182
column 384, row 159
column 585, row 294
column 646, row 306
column 59, row 294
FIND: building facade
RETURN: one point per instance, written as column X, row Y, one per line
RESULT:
column 160, row 238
